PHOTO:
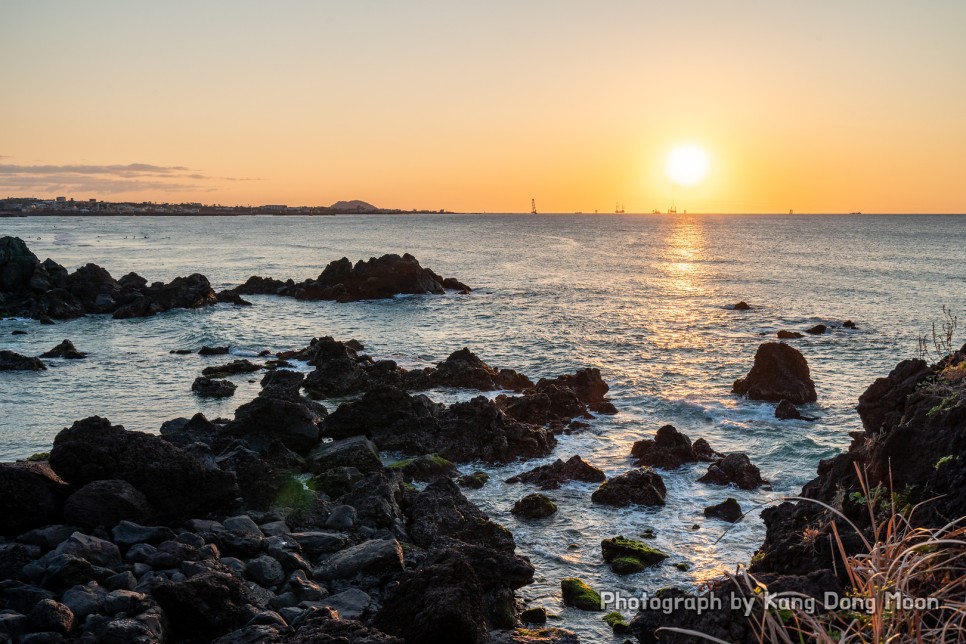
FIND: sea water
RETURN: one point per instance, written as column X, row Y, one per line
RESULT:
column 644, row 298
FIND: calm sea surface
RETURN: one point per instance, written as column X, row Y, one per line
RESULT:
column 641, row 297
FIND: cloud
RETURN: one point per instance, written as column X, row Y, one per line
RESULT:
column 105, row 179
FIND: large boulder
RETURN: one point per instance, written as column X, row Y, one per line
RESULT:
column 667, row 450
column 464, row 369
column 642, row 486
column 278, row 413
column 12, row 361
column 175, row 482
column 207, row 605
column 780, row 372
column 66, row 350
column 341, row 281
column 552, row 476
column 356, row 451
column 105, row 504
column 734, row 469
column 32, row 496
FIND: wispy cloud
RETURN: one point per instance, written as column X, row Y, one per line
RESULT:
column 105, row 179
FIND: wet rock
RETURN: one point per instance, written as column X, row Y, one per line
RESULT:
column 66, row 350
column 11, row 361
column 536, row 615
column 105, row 503
column 183, row 432
column 535, row 636
column 376, row 500
column 473, row 481
column 213, row 388
column 578, row 594
column 780, row 372
column 789, row 335
column 668, row 450
column 741, row 306
column 787, row 411
column 351, row 603
column 627, row 556
column 849, row 324
column 32, row 496
column 213, row 351
column 728, row 510
column 552, row 476
column 534, row 506
column 191, row 292
column 176, row 483
column 642, row 486
column 441, row 510
column 464, row 369
column 818, row 329
column 232, row 368
column 734, row 469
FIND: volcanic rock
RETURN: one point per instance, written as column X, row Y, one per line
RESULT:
column 65, row 349
column 780, row 372
column 642, row 486
column 11, row 361
column 734, row 469
column 552, row 476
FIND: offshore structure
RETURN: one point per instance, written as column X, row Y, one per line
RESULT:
column 533, row 206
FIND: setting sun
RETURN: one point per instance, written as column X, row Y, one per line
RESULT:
column 687, row 165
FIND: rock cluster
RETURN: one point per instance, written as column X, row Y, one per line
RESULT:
column 341, row 281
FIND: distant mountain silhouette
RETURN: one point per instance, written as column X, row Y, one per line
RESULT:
column 354, row 205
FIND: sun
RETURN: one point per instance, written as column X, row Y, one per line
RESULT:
column 687, row 165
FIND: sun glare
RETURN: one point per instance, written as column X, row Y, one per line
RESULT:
column 687, row 165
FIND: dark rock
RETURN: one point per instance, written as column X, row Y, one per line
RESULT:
column 780, row 372
column 734, row 469
column 379, row 557
column 789, row 335
column 741, row 306
column 642, row 486
column 99, row 552
column 441, row 510
column 473, row 481
column 265, row 571
column 818, row 329
column 578, row 594
column 668, row 450
column 536, row 615
column 357, row 451
column 441, row 601
column 105, row 503
column 351, row 603
column 259, row 481
column 336, row 481
column 207, row 605
column 376, row 278
column 319, row 543
column 322, row 625
column 472, row 430
column 534, row 506
column 175, row 482
column 183, row 432
column 728, row 510
column 213, row 388
column 18, row 332
column 376, row 500
column 627, row 556
column 232, row 368
column 213, row 351
column 84, row 600
column 342, row 517
column 190, row 292
column 278, row 413
column 32, row 496
column 787, row 411
column 50, row 616
column 11, row 361
column 849, row 324
column 463, row 369
column 552, row 476
column 20, row 597
column 65, row 349
column 47, row 537
column 704, row 452
column 427, row 467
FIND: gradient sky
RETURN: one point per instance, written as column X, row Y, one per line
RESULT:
column 822, row 106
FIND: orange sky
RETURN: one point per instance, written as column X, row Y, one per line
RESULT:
column 816, row 107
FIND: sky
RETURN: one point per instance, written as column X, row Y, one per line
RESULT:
column 820, row 106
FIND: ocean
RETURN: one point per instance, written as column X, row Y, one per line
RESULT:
column 643, row 297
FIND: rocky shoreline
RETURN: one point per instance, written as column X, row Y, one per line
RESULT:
column 46, row 291
column 288, row 523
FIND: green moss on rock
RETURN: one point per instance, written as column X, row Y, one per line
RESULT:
column 579, row 595
column 628, row 556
